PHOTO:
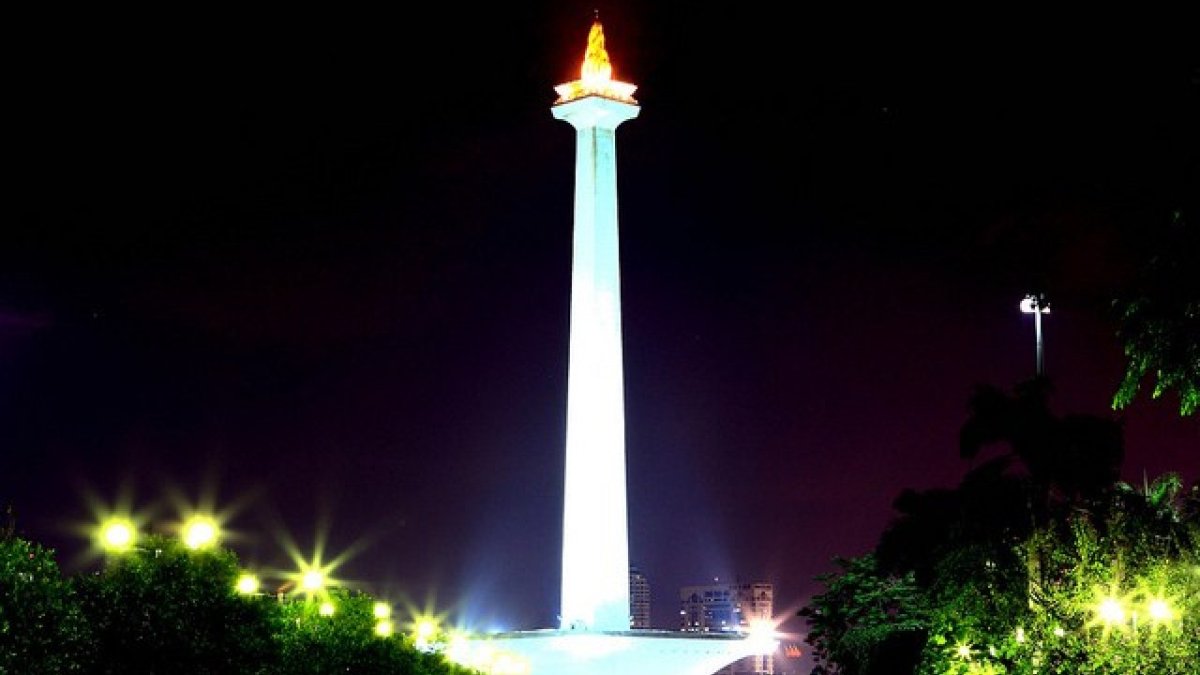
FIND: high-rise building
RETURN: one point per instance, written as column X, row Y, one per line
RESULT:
column 731, row 608
column 639, row 599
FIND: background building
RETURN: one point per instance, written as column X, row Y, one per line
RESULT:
column 729, row 607
column 639, row 599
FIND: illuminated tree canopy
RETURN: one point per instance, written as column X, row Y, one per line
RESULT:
column 1024, row 567
column 42, row 627
column 166, row 606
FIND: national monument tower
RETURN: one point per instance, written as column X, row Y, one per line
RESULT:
column 594, row 636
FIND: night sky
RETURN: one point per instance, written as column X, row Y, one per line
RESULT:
column 318, row 265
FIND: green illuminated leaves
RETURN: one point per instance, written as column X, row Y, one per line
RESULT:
column 42, row 628
column 1159, row 323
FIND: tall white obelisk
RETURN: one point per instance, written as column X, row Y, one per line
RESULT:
column 595, row 554
column 594, row 637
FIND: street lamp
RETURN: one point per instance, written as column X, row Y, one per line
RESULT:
column 117, row 535
column 1037, row 305
column 200, row 532
column 312, row 581
column 247, row 584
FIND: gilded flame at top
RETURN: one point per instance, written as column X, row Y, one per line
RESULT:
column 596, row 66
column 595, row 74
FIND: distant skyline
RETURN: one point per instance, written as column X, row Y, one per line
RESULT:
column 321, row 264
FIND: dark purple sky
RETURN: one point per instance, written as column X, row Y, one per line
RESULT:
column 321, row 263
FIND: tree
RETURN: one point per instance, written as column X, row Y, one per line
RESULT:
column 163, row 608
column 1038, row 562
column 42, row 629
column 1159, row 322
column 867, row 622
column 343, row 639
column 1067, row 459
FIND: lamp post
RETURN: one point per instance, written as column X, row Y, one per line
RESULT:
column 1036, row 304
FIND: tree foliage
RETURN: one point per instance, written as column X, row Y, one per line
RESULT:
column 1006, row 572
column 312, row 643
column 42, row 627
column 164, row 608
column 866, row 620
column 1159, row 323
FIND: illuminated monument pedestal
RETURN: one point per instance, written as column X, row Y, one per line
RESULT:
column 594, row 637
column 622, row 653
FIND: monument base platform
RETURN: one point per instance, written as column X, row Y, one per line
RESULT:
column 635, row 652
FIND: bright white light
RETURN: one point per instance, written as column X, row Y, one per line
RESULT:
column 762, row 637
column 200, row 532
column 313, row 580
column 1027, row 306
column 383, row 628
column 247, row 584
column 1159, row 610
column 326, row 609
column 117, row 534
column 381, row 610
column 458, row 649
column 508, row 664
column 1111, row 611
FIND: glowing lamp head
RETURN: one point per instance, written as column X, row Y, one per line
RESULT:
column 247, row 584
column 382, row 610
column 326, row 609
column 963, row 651
column 384, row 628
column 1033, row 304
column 1159, row 610
column 1111, row 611
column 762, row 636
column 200, row 532
column 426, row 629
column 312, row 581
column 117, row 535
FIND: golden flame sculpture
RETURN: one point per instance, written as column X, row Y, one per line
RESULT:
column 595, row 76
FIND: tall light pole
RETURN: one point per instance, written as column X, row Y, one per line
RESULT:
column 1037, row 305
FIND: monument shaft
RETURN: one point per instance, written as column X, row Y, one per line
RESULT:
column 595, row 569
